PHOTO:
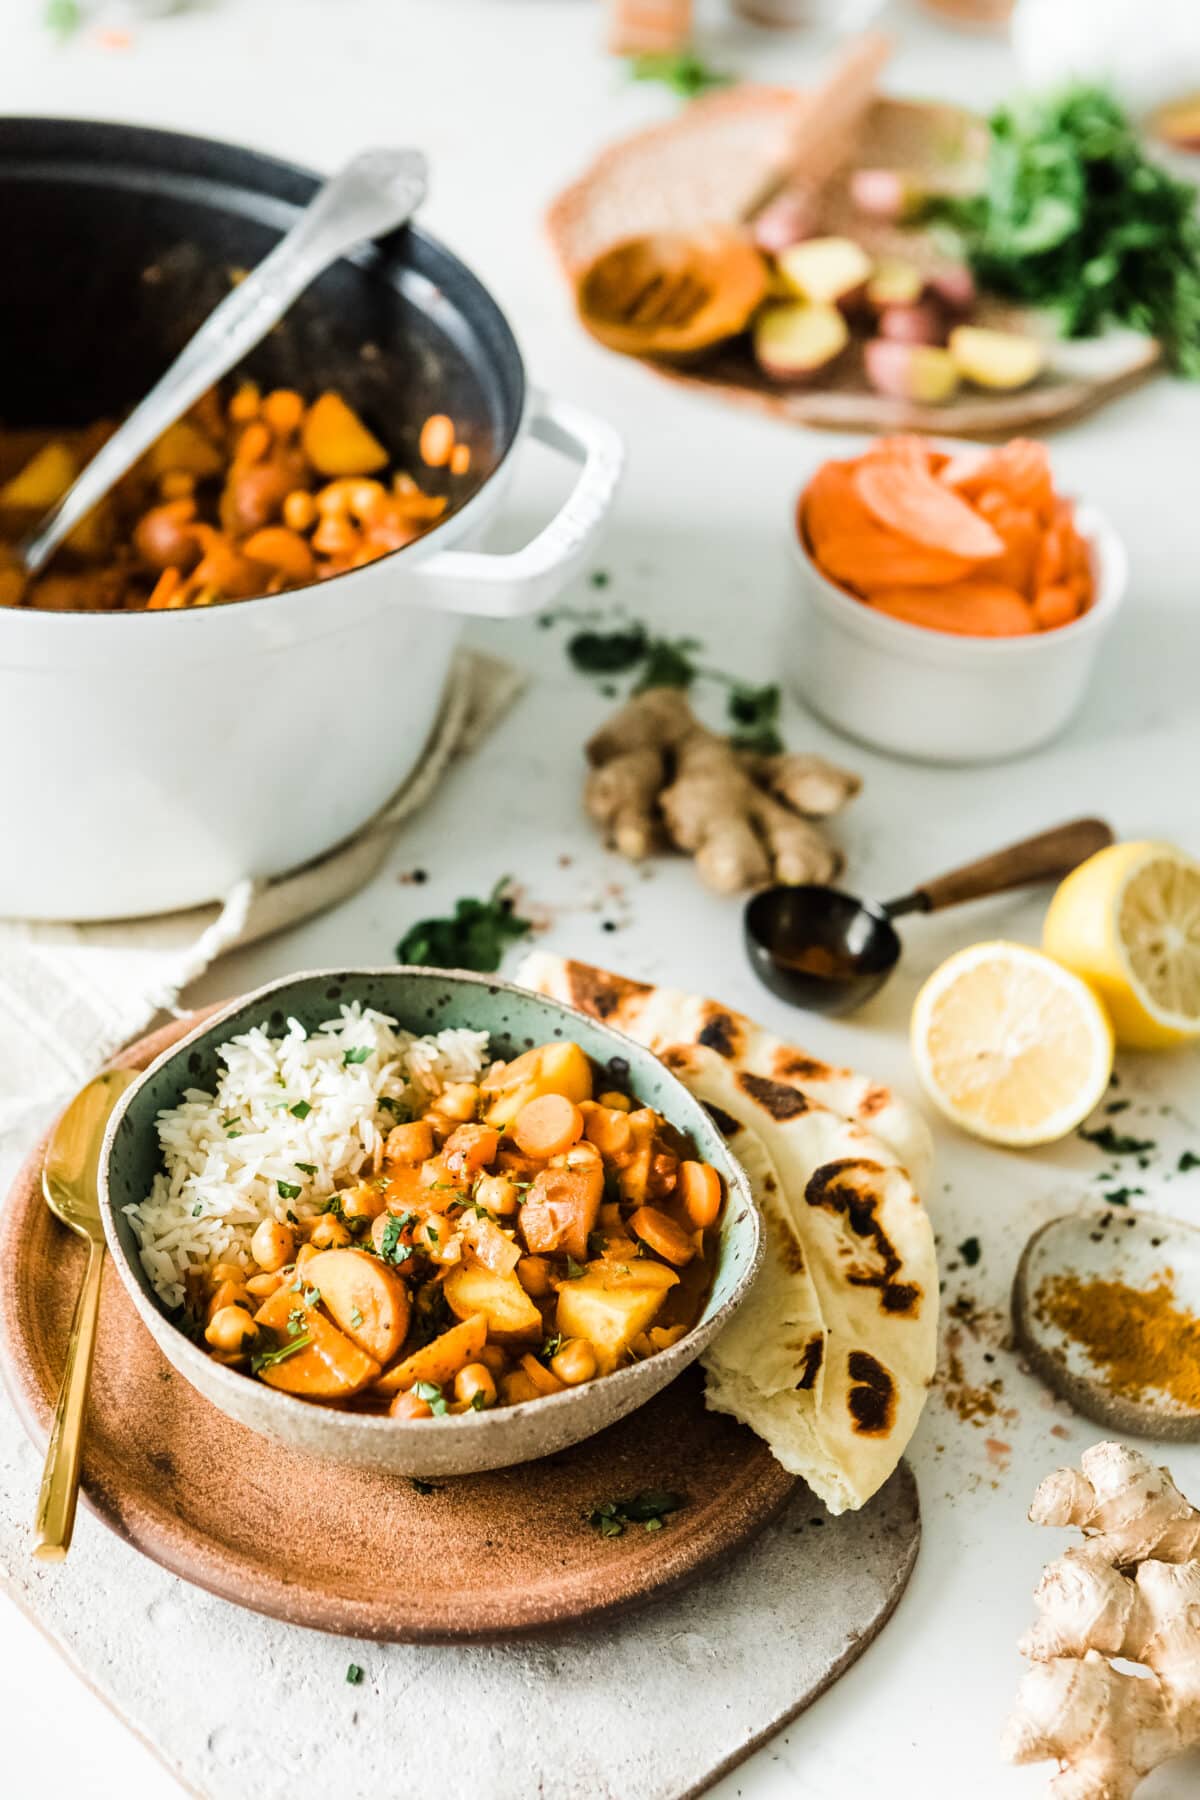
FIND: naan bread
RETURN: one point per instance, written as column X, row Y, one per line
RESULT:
column 830, row 1358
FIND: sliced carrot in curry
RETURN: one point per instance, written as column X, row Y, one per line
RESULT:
column 968, row 608
column 914, row 503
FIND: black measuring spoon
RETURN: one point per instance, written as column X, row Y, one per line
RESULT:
column 829, row 951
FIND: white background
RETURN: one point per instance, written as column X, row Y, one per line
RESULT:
column 509, row 97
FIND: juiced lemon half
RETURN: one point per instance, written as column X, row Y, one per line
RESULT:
column 1128, row 922
column 1010, row 1045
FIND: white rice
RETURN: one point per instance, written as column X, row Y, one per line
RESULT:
column 226, row 1154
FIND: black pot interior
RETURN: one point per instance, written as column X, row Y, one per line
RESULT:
column 118, row 241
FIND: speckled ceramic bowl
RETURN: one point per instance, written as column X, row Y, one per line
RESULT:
column 422, row 1000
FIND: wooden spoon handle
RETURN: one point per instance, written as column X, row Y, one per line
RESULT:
column 828, row 120
column 1046, row 857
column 55, row 1519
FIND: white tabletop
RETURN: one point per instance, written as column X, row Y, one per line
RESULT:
column 509, row 97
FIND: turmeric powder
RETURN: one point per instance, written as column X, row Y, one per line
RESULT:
column 1139, row 1337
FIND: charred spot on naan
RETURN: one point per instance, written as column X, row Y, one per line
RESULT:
column 721, row 1031
column 873, row 1101
column 794, row 1065
column 725, row 1122
column 812, row 1355
column 789, row 1250
column 601, row 994
column 777, row 1098
column 871, row 1398
column 851, row 1188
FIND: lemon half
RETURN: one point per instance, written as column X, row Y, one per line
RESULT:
column 1128, row 921
column 1010, row 1045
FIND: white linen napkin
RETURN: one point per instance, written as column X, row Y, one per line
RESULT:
column 70, row 995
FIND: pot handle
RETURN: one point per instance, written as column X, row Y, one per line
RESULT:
column 503, row 586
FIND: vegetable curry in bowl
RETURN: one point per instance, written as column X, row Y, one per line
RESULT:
column 519, row 1236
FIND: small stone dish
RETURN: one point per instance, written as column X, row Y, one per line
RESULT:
column 423, row 1000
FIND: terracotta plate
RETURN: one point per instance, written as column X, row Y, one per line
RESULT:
column 317, row 1544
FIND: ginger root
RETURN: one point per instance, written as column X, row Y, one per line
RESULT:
column 1131, row 1591
column 660, row 777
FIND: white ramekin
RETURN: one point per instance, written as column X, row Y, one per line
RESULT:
column 932, row 695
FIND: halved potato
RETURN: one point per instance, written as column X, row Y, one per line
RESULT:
column 549, row 1069
column 829, row 271
column 795, row 340
column 1003, row 360
column 510, row 1313
column 366, row 1299
column 610, row 1305
column 329, row 1367
column 440, row 1360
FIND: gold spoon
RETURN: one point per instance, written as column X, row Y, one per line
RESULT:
column 70, row 1190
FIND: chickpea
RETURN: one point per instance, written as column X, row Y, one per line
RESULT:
column 459, row 1101
column 575, row 1362
column 475, row 1380
column 460, row 459
column 436, row 442
column 245, row 404
column 228, row 1293
column 224, row 1271
column 409, row 1143
column 364, row 498
column 335, row 536
column 440, row 1125
column 366, row 1201
column 272, row 1245
column 500, row 1195
column 329, row 1233
column 579, row 1156
column 533, row 1273
column 283, row 409
column 617, row 1102
column 299, row 510
column 230, row 1329
column 433, row 1235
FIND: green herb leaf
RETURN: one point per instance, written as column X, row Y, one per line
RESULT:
column 267, row 1358
column 608, row 652
column 400, row 1112
column 358, row 1054
column 354, row 1675
column 288, row 1190
column 431, row 1393
column 1076, row 217
column 474, row 937
column 1189, row 1160
column 301, row 1109
column 356, row 1318
column 574, row 1269
column 756, row 712
column 669, row 663
column 197, row 1209
column 309, row 1169
column 1116, row 1144
column 390, row 1248
column 682, row 71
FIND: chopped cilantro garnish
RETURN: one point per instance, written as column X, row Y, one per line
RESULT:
column 354, row 1675
column 356, row 1318
column 1189, row 1160
column 301, row 1109
column 1114, row 1143
column 399, row 1111
column 755, row 711
column 309, row 1168
column 197, row 1209
column 288, row 1190
column 390, row 1248
column 431, row 1393
column 267, row 1358
column 358, row 1054
column 478, row 1401
column 574, row 1269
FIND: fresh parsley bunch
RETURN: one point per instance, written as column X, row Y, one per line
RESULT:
column 1076, row 217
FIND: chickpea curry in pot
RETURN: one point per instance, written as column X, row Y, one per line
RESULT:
column 521, row 1235
column 248, row 494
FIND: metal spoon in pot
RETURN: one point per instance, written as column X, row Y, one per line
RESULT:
column 829, row 952
column 376, row 192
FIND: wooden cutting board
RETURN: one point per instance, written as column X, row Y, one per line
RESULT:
column 761, row 1598
column 676, row 177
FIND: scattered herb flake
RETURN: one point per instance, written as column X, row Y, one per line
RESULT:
column 1189, row 1160
column 574, row 1269
column 474, row 937
column 267, row 1358
column 197, row 1209
column 608, row 652
column 288, row 1190
column 301, row 1109
column 431, row 1393
column 358, row 1054
column 649, row 1509
column 356, row 1318
column 1121, row 1196
column 1113, row 1143
column 970, row 1251
column 354, row 1675
column 755, row 711
column 309, row 1169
